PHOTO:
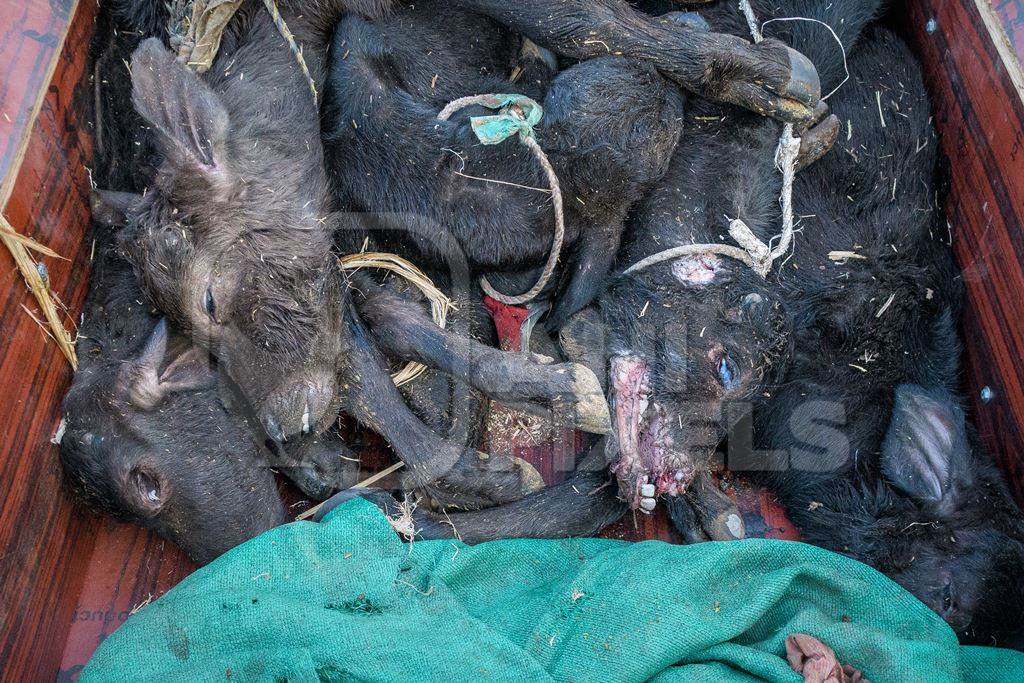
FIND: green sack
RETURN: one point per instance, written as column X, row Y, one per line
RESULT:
column 347, row 600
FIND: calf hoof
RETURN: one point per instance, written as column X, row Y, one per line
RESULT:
column 591, row 407
column 817, row 141
column 705, row 513
column 818, row 115
column 768, row 78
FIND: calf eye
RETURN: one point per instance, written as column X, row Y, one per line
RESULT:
column 211, row 307
column 727, row 373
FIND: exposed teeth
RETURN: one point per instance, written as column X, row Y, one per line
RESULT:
column 647, row 490
column 305, row 419
column 648, row 504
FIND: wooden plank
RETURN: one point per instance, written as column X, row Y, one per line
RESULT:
column 129, row 567
column 45, row 540
column 980, row 116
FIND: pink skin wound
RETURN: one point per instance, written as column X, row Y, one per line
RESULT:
column 646, row 453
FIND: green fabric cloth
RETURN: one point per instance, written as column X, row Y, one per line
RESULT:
column 347, row 600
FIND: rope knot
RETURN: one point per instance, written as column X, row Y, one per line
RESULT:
column 746, row 238
column 517, row 115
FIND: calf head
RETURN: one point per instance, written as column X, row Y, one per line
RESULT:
column 947, row 529
column 686, row 336
column 146, row 440
column 230, row 242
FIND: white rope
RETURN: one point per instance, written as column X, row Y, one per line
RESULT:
column 752, row 251
column 556, row 200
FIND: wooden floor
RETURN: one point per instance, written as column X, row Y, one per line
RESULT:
column 67, row 579
column 45, row 544
column 975, row 82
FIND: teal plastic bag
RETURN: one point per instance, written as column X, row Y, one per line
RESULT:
column 519, row 114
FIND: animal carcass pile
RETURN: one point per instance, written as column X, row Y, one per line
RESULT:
column 222, row 340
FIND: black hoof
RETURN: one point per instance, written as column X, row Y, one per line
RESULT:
column 804, row 85
column 817, row 141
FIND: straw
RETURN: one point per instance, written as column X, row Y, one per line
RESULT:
column 440, row 304
column 18, row 245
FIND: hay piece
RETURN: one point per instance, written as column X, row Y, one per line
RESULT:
column 18, row 245
column 842, row 256
column 440, row 304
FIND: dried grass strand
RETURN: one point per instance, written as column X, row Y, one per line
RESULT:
column 440, row 304
column 18, row 245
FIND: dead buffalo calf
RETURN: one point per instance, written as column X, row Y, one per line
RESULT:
column 690, row 335
column 230, row 239
column 864, row 439
column 146, row 438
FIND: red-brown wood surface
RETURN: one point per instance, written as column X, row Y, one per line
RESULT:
column 980, row 116
column 44, row 541
column 30, row 34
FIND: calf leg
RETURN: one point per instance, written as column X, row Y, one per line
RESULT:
column 768, row 77
column 581, row 505
column 461, row 476
column 516, row 380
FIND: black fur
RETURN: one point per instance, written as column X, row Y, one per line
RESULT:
column 873, row 454
column 608, row 128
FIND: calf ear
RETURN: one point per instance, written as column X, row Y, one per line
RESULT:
column 145, row 489
column 147, row 385
column 189, row 370
column 112, row 208
column 189, row 118
column 926, row 451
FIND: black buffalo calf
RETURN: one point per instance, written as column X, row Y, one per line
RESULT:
column 689, row 336
column 864, row 439
column 146, row 437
